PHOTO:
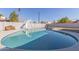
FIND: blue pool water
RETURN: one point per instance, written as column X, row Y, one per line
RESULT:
column 42, row 40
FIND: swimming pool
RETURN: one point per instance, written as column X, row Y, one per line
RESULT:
column 42, row 40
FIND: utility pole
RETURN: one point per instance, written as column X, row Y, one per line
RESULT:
column 19, row 13
column 38, row 17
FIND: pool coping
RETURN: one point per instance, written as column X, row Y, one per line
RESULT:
column 4, row 34
column 20, row 31
column 72, row 48
column 69, row 34
column 72, row 34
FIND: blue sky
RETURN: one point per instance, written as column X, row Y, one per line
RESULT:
column 45, row 13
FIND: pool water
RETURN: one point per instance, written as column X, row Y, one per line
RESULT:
column 21, row 38
column 42, row 40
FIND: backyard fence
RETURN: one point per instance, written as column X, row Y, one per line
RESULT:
column 18, row 25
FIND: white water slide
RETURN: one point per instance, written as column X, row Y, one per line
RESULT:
column 32, row 27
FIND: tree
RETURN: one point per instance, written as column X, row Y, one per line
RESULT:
column 13, row 17
column 64, row 20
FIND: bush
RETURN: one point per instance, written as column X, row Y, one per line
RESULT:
column 64, row 20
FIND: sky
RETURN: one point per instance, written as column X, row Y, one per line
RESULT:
column 47, row 14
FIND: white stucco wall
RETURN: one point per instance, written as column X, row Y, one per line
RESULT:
column 16, row 24
column 19, row 24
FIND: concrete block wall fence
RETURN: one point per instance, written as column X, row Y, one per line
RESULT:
column 18, row 25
